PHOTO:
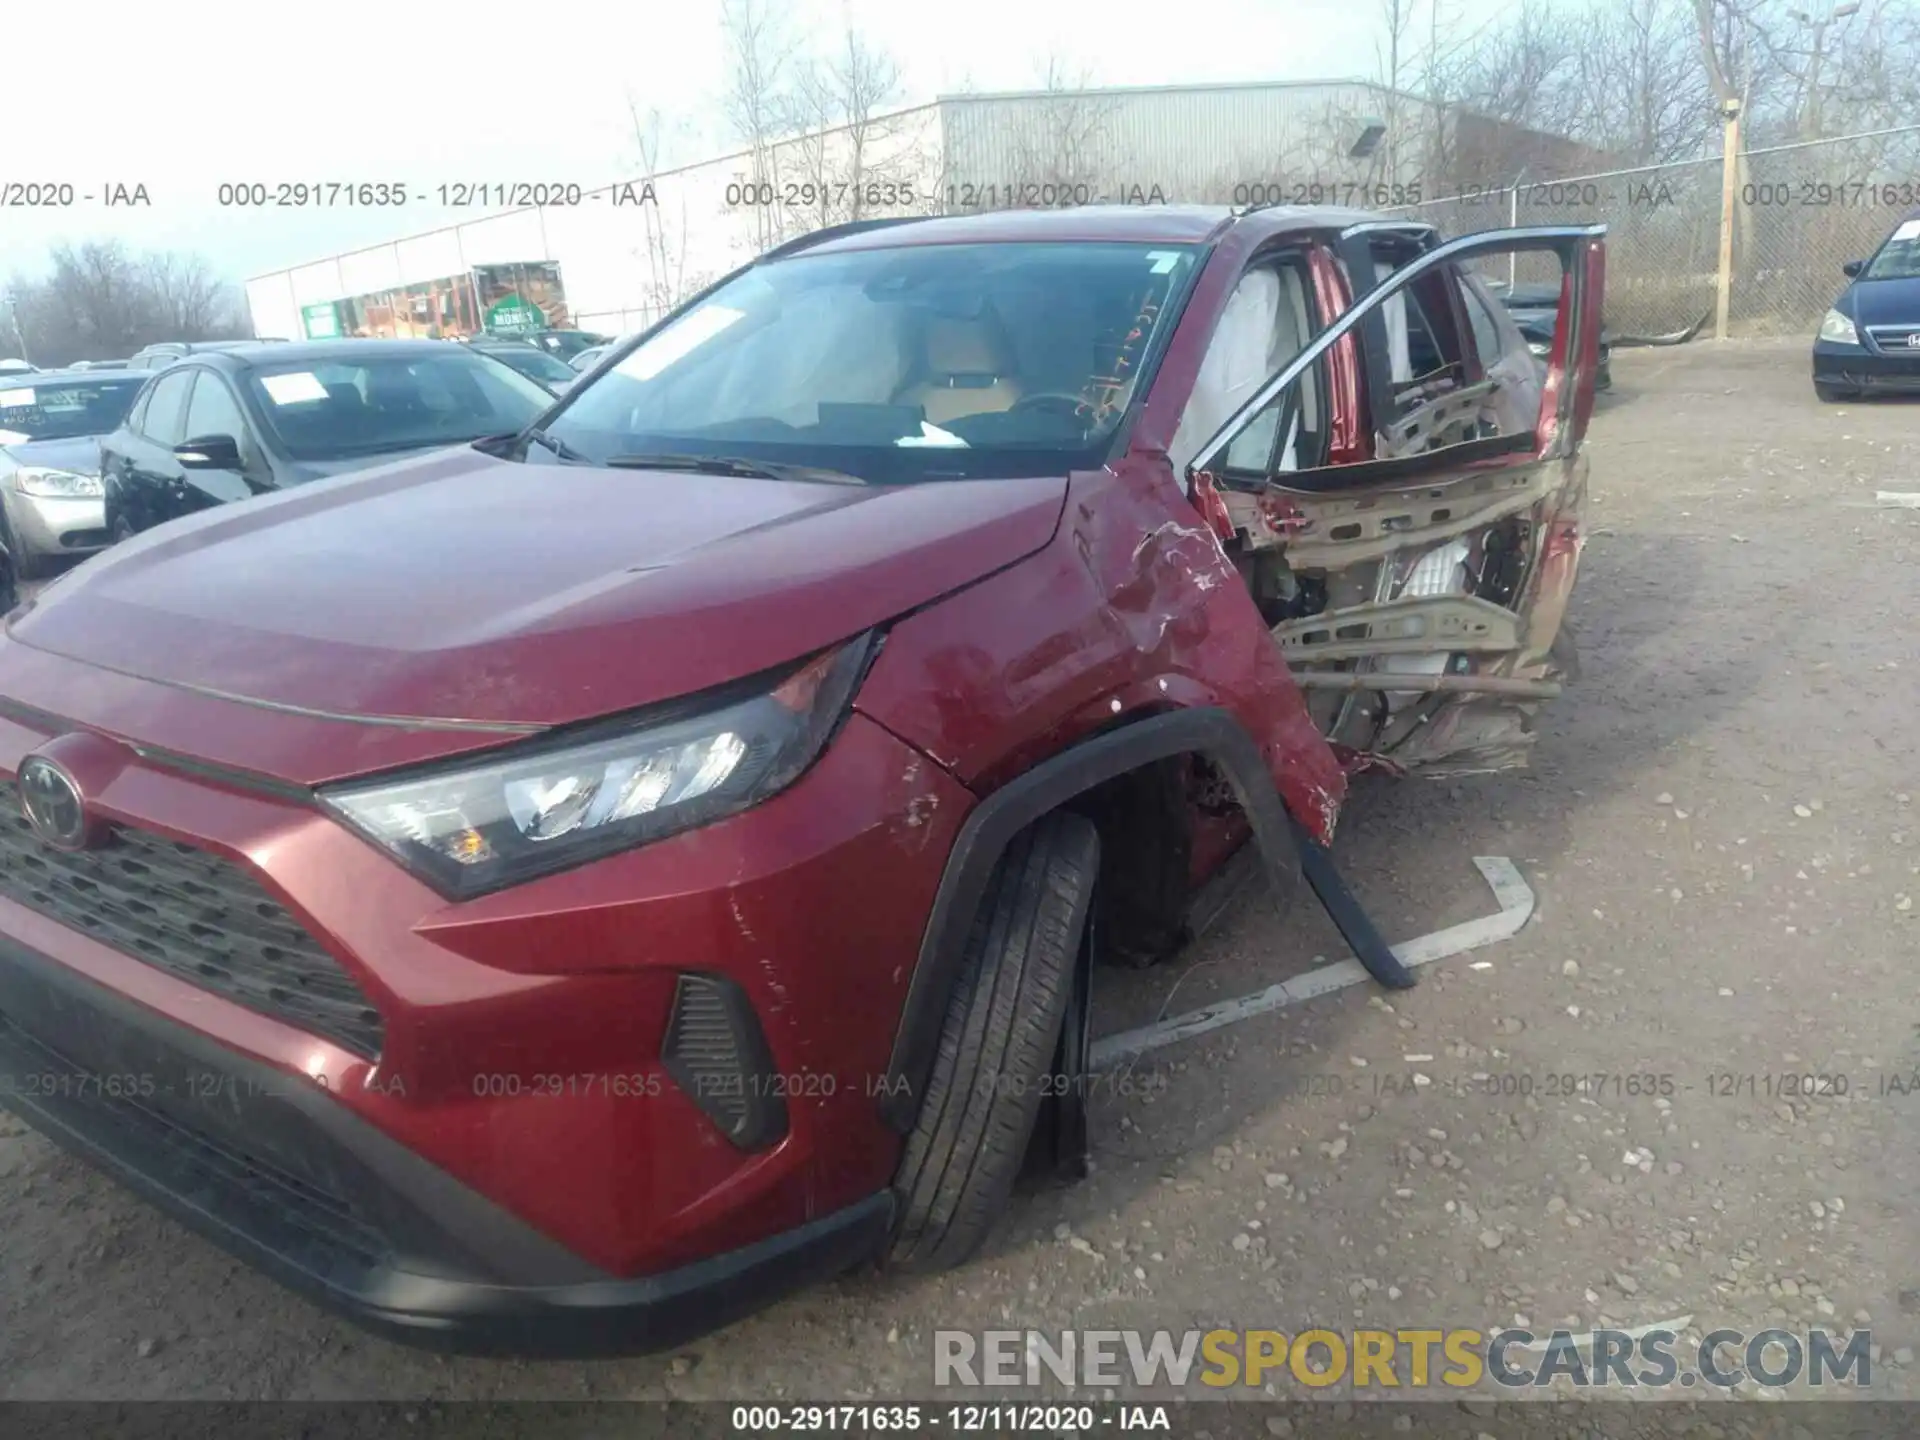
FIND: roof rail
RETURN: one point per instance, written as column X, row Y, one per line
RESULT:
column 837, row 232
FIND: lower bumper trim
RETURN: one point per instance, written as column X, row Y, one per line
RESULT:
column 312, row 1196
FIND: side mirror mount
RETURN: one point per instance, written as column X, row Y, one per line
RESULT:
column 1853, row 268
column 209, row 452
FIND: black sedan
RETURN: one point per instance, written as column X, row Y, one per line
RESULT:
column 1870, row 339
column 1536, row 310
column 219, row 426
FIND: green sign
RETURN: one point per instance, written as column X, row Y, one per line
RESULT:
column 321, row 322
column 514, row 314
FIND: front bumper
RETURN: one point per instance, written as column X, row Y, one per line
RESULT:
column 1854, row 367
column 48, row 526
column 540, row 1211
column 273, row 1170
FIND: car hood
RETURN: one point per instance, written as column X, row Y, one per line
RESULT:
column 1884, row 302
column 81, row 455
column 457, row 586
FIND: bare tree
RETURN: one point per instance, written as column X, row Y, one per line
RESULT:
column 99, row 301
column 663, row 247
column 847, row 147
column 1061, row 140
column 759, row 105
column 1648, row 99
column 187, row 298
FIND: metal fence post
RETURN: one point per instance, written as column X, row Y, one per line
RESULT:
column 1729, row 192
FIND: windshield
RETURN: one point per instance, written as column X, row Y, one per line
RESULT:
column 529, row 361
column 65, row 409
column 1899, row 258
column 919, row 362
column 366, row 405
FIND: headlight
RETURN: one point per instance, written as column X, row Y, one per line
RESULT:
column 56, row 484
column 1839, row 329
column 557, row 803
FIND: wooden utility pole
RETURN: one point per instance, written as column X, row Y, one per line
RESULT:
column 1729, row 195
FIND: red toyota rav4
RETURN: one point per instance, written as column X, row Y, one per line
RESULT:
column 556, row 894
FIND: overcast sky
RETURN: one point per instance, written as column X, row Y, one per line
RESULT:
column 182, row 96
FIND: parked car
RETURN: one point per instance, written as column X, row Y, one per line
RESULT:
column 1869, row 341
column 223, row 425
column 1534, row 308
column 589, row 357
column 612, row 875
column 101, row 365
column 14, row 366
column 565, row 344
column 162, row 354
column 50, row 494
column 531, row 361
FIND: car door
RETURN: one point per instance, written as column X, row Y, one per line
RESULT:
column 1417, row 585
column 146, row 479
column 214, row 414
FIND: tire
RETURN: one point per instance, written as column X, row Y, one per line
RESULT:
column 1832, row 394
column 997, row 1045
column 25, row 566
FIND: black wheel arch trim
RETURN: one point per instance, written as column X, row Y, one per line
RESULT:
column 1210, row 731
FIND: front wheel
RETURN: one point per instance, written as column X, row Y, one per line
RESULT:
column 997, row 1044
column 26, row 566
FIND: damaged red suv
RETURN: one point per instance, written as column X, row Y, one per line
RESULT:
column 554, row 895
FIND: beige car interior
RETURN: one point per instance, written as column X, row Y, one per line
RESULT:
column 966, row 368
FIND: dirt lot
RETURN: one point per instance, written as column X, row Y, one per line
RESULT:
column 1721, row 832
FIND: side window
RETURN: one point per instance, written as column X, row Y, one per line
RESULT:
column 214, row 411
column 136, row 420
column 1267, row 321
column 166, row 413
column 1429, row 403
column 1497, row 339
column 1486, row 333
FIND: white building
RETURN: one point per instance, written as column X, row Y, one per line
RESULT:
column 615, row 258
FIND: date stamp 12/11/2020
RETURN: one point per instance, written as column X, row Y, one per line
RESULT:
column 1374, row 1084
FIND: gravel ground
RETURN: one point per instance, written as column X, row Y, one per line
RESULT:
column 1721, row 834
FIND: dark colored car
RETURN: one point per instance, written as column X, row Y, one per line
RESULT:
column 222, row 425
column 557, row 895
column 1534, row 308
column 531, row 361
column 51, row 422
column 1869, row 341
column 565, row 344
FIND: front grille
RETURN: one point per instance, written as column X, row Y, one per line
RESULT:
column 192, row 914
column 1896, row 339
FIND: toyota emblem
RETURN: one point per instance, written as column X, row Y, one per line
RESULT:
column 52, row 804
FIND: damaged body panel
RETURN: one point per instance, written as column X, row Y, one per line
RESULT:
column 1418, row 593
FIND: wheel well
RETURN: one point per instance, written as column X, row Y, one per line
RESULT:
column 1145, row 819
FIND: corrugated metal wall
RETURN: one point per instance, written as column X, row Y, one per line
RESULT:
column 1192, row 143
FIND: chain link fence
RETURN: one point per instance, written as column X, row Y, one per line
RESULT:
column 1800, row 212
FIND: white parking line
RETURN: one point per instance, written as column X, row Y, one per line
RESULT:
column 1516, row 908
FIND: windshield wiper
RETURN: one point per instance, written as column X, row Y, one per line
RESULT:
column 732, row 465
column 558, row 447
